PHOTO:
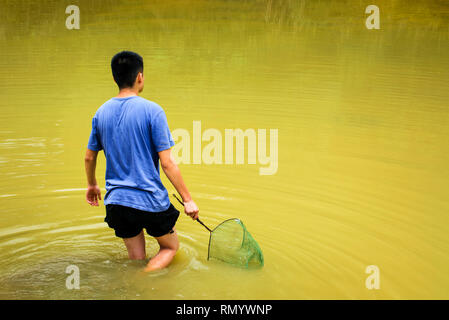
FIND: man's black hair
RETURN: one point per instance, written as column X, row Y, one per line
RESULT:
column 125, row 66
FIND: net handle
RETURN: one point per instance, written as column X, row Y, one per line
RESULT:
column 197, row 219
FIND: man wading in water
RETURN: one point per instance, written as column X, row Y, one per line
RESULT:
column 134, row 134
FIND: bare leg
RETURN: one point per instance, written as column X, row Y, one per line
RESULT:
column 168, row 246
column 136, row 246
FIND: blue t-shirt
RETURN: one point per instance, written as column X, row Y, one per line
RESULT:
column 131, row 131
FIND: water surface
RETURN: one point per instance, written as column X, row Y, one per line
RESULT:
column 363, row 124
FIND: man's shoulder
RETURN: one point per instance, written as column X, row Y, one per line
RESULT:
column 104, row 106
column 148, row 104
column 140, row 105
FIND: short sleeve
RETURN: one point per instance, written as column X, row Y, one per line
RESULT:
column 94, row 143
column 160, row 133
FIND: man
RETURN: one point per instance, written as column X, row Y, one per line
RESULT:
column 134, row 134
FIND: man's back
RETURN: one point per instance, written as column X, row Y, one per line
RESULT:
column 131, row 131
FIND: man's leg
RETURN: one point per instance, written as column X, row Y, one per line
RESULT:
column 168, row 246
column 136, row 246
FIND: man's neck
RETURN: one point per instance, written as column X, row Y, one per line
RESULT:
column 127, row 92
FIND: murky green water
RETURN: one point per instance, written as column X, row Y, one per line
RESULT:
column 363, row 124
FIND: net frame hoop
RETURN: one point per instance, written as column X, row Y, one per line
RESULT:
column 210, row 234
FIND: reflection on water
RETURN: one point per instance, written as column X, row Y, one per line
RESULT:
column 363, row 125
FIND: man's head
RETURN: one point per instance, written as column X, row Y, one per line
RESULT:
column 127, row 70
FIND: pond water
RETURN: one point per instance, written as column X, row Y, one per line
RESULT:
column 362, row 121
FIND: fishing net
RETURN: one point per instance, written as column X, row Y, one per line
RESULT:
column 231, row 242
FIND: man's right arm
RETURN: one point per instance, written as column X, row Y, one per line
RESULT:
column 173, row 174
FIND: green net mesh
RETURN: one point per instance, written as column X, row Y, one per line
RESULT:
column 232, row 243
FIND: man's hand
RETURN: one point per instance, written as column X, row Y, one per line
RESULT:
column 93, row 194
column 191, row 209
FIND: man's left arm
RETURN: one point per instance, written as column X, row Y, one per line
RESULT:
column 93, row 193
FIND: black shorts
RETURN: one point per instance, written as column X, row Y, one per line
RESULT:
column 129, row 222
